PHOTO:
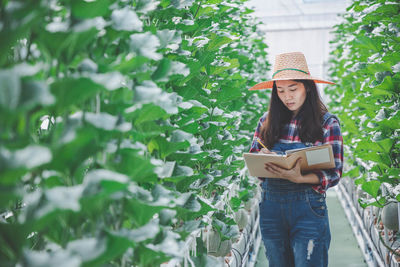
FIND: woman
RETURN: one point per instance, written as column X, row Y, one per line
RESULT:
column 293, row 215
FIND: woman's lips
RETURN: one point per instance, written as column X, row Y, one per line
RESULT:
column 289, row 104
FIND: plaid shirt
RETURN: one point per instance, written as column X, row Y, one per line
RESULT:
column 332, row 135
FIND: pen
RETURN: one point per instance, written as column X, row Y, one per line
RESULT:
column 258, row 140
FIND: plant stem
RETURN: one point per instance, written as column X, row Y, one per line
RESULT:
column 198, row 7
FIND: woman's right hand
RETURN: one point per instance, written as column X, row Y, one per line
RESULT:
column 266, row 151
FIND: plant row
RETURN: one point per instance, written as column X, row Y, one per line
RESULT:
column 122, row 125
column 365, row 63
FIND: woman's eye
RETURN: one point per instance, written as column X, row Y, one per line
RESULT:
column 292, row 90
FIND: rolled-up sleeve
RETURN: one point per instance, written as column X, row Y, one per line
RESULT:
column 255, row 146
column 331, row 177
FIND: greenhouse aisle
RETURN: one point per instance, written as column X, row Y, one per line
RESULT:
column 344, row 250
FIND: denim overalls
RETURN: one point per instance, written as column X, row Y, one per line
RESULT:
column 294, row 220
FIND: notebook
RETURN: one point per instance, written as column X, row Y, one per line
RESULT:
column 315, row 157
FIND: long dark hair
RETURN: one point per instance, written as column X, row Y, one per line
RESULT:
column 310, row 116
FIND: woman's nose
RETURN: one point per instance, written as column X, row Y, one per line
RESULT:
column 287, row 96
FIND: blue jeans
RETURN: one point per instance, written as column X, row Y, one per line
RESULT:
column 294, row 222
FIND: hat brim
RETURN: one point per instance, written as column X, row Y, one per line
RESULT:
column 269, row 84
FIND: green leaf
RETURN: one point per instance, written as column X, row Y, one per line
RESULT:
column 179, row 68
column 164, row 147
column 189, row 226
column 371, row 187
column 192, row 204
column 359, row 181
column 386, row 144
column 187, row 25
column 226, row 65
column 57, row 198
column 64, row 46
column 166, row 216
column 186, row 214
column 217, row 41
column 367, row 146
column 166, row 68
column 143, row 212
column 164, row 197
column 107, row 122
column 34, row 93
column 388, row 9
column 394, row 173
column 137, row 167
column 87, row 248
column 205, row 11
column 127, row 65
column 116, row 246
column 87, row 65
column 94, row 177
column 180, row 136
column 180, row 4
column 385, row 88
column 71, row 91
column 149, row 112
column 380, row 202
column 9, row 195
column 227, row 231
column 162, row 70
column 148, row 257
column 168, row 245
column 228, row 94
column 367, row 43
column 126, row 20
column 353, row 173
column 17, row 23
column 202, row 182
column 169, row 38
column 164, row 169
column 85, row 9
column 111, row 80
column 26, row 158
column 48, row 259
column 145, row 44
column 235, row 203
column 74, row 148
column 149, row 92
column 182, row 171
column 182, row 183
column 10, row 85
column 148, row 231
column 146, row 5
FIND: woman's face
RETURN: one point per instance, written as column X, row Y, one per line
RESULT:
column 292, row 94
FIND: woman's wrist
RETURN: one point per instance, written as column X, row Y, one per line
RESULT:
column 309, row 178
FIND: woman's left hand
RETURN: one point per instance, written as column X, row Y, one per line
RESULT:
column 294, row 175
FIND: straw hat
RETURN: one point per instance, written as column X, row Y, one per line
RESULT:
column 289, row 66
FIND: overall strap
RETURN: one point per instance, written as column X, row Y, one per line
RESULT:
column 327, row 116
